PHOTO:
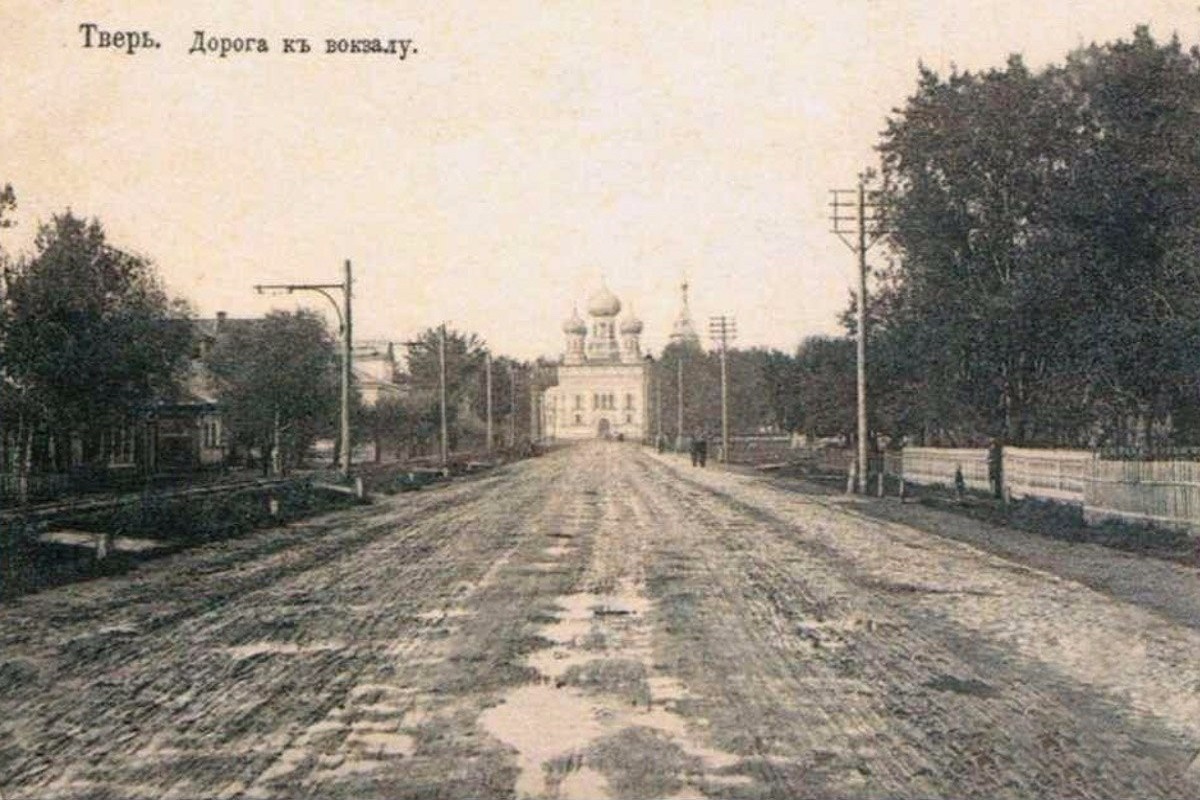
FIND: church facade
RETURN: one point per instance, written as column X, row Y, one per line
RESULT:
column 602, row 389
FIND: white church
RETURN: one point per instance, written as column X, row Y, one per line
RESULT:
column 603, row 381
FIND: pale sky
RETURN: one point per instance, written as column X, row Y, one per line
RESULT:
column 525, row 150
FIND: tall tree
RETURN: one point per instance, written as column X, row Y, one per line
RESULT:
column 278, row 381
column 9, row 409
column 1046, row 286
column 825, row 386
column 90, row 336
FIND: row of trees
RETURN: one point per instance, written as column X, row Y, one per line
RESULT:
column 1044, row 279
column 91, row 343
column 410, row 424
column 761, row 385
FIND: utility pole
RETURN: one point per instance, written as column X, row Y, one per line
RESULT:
column 347, row 356
column 533, row 409
column 488, row 370
column 859, row 231
column 679, row 402
column 345, row 320
column 512, row 411
column 657, row 405
column 723, row 329
column 444, row 441
column 445, row 452
column 652, row 385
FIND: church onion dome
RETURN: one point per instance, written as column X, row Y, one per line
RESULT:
column 631, row 325
column 604, row 303
column 574, row 324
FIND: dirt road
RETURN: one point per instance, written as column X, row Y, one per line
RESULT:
column 599, row 622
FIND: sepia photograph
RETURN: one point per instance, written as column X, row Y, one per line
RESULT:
column 599, row 400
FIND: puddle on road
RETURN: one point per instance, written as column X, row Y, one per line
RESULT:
column 542, row 723
column 563, row 728
column 582, row 783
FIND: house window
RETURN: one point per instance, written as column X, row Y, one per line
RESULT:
column 120, row 446
column 629, row 401
column 578, row 419
column 578, row 401
column 211, row 433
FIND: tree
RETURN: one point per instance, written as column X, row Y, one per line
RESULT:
column 691, row 363
column 8, row 396
column 90, row 338
column 389, row 424
column 825, row 386
column 1045, row 287
column 8, row 204
column 464, row 353
column 278, row 384
column 758, row 385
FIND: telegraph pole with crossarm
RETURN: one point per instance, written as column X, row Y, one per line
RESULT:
column 857, row 221
column 723, row 330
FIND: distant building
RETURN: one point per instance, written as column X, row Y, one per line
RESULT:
column 601, row 391
column 375, row 372
column 185, row 430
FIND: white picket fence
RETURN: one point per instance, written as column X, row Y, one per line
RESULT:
column 932, row 466
column 1160, row 493
column 1047, row 474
